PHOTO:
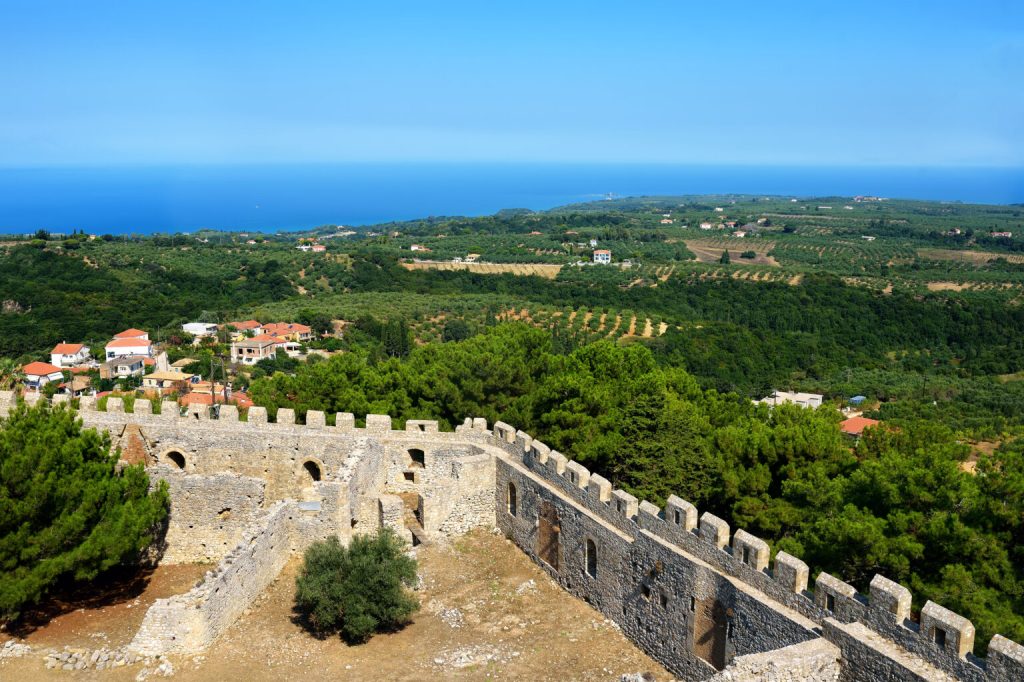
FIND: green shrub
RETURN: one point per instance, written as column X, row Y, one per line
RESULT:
column 748, row 254
column 356, row 590
column 66, row 513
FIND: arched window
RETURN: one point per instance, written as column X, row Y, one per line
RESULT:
column 591, row 558
column 176, row 458
column 417, row 460
column 313, row 469
column 513, row 503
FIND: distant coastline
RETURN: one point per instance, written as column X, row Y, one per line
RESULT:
column 268, row 198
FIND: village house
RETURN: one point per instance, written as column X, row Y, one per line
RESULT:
column 667, row 221
column 199, row 329
column 129, row 346
column 418, row 247
column 69, row 355
column 38, row 374
column 289, row 331
column 796, row 398
column 472, row 257
column 707, row 226
column 133, row 333
column 167, row 381
column 854, row 426
column 123, row 367
column 243, row 329
column 319, row 248
column 251, row 351
column 77, row 387
column 1008, row 235
column 602, row 256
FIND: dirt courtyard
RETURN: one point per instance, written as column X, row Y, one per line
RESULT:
column 487, row 612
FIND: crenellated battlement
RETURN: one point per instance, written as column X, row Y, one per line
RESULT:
column 941, row 637
column 942, row 640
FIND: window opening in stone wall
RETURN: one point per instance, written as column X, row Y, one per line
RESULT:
column 710, row 632
column 591, row 558
column 513, row 502
column 645, row 591
column 177, row 459
column 746, row 555
column 663, row 600
column 939, row 635
column 409, row 476
column 313, row 469
column 548, row 535
column 677, row 516
column 830, row 602
column 417, row 460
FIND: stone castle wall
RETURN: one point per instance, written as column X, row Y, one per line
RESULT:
column 662, row 574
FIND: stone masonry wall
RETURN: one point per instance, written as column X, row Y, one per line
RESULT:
column 190, row 622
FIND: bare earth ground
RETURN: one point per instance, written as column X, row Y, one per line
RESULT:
column 487, row 613
column 711, row 253
column 547, row 270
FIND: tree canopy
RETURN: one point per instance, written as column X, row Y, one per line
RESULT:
column 66, row 512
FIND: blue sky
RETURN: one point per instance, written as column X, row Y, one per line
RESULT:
column 866, row 83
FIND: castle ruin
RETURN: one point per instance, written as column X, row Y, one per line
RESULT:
column 685, row 588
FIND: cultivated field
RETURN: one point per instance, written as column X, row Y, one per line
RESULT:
column 710, row 250
column 550, row 271
column 973, row 257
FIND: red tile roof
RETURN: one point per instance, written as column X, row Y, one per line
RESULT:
column 38, row 369
column 132, row 333
column 244, row 325
column 854, row 426
column 129, row 342
column 67, row 348
column 286, row 328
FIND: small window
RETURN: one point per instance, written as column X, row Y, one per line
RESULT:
column 417, row 459
column 409, row 475
column 939, row 635
column 663, row 600
column 746, row 555
column 513, row 503
column 693, row 603
column 177, row 459
column 313, row 469
column 645, row 591
column 830, row 602
column 678, row 516
column 591, row 558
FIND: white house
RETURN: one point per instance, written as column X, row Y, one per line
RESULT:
column 593, row 243
column 38, row 374
column 69, row 354
column 199, row 329
column 133, row 333
column 800, row 399
column 707, row 226
column 132, row 346
column 603, row 256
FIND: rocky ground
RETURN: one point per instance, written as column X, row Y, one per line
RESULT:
column 487, row 613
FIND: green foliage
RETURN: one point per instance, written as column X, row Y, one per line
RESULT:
column 65, row 512
column 357, row 590
column 725, row 259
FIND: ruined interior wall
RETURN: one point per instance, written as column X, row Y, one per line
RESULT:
column 190, row 622
column 209, row 514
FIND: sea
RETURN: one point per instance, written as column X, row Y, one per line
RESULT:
column 273, row 198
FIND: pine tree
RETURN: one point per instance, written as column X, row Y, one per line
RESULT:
column 66, row 513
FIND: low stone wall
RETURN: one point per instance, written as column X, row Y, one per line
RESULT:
column 190, row 622
column 816, row 660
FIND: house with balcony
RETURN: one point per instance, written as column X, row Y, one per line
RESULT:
column 38, row 374
column 251, row 351
column 69, row 355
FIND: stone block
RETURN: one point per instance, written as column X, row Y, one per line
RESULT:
column 624, row 503
column 829, row 592
column 378, row 423
column 680, row 513
column 947, row 630
column 316, row 419
column 345, row 421
column 599, row 488
column 791, row 573
column 285, row 416
column 714, row 530
column 115, row 405
column 890, row 597
column 750, row 550
column 577, row 474
column 556, row 462
column 257, row 415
